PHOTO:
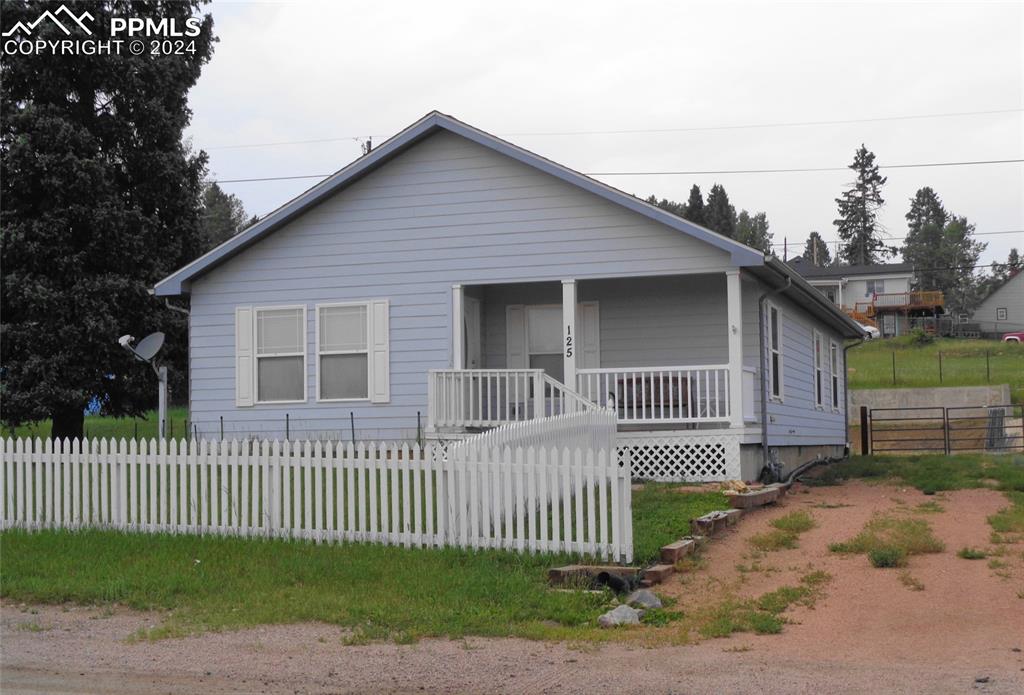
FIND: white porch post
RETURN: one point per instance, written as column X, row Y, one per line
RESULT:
column 458, row 358
column 734, row 301
column 570, row 341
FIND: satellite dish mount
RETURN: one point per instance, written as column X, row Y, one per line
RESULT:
column 146, row 351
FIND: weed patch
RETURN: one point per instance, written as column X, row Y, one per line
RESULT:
column 888, row 540
column 971, row 554
column 784, row 533
column 887, row 556
column 910, row 581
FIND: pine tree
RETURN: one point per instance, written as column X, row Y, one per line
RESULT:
column 816, row 251
column 719, row 214
column 678, row 209
column 753, row 231
column 957, row 276
column 859, row 229
column 99, row 199
column 223, row 216
column 924, row 247
column 695, row 207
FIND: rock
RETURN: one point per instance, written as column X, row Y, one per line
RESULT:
column 621, row 615
column 981, row 679
column 644, row 598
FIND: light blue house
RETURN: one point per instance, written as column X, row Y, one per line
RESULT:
column 449, row 281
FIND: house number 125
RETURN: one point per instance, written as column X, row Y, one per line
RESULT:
column 568, row 341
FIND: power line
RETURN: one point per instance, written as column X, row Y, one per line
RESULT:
column 681, row 173
column 903, row 238
column 791, row 171
column 637, row 131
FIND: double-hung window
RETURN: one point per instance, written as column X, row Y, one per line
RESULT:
column 819, row 376
column 833, row 353
column 775, row 367
column 343, row 351
column 280, row 354
column 875, row 287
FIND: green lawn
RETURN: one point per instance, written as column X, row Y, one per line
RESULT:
column 104, row 426
column 935, row 473
column 210, row 583
column 964, row 363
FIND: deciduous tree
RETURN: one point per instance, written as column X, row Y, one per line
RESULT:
column 100, row 199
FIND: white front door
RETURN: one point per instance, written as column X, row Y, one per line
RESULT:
column 534, row 337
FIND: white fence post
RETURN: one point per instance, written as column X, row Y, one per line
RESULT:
column 546, row 485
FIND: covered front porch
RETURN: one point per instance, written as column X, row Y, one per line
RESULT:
column 664, row 353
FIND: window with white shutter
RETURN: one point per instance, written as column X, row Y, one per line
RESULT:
column 353, row 346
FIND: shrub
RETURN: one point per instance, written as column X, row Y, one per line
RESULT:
column 971, row 554
column 887, row 556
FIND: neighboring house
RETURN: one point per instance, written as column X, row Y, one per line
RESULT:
column 1003, row 310
column 451, row 279
column 878, row 294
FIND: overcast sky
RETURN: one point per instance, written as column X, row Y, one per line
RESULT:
column 311, row 70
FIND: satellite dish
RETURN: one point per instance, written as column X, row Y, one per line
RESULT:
column 150, row 345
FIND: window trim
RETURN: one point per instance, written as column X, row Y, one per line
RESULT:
column 256, row 353
column 1006, row 314
column 368, row 305
column 817, row 369
column 780, row 396
column 871, row 287
column 833, row 368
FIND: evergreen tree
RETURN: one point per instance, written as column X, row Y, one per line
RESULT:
column 954, row 269
column 223, row 216
column 816, row 251
column 924, row 247
column 667, row 205
column 719, row 214
column 859, row 229
column 695, row 207
column 99, row 199
column 753, row 231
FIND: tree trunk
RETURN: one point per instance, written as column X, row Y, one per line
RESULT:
column 68, row 421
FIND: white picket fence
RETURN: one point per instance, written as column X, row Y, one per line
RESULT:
column 325, row 492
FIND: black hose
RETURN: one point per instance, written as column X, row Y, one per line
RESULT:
column 804, row 467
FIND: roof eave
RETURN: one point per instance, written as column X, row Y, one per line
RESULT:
column 178, row 282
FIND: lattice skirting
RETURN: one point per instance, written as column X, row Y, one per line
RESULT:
column 681, row 457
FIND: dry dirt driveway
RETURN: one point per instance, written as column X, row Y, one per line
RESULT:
column 869, row 634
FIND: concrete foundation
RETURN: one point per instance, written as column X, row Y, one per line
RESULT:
column 790, row 457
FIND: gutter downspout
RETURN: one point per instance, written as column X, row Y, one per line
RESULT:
column 764, row 368
column 188, row 355
column 846, row 394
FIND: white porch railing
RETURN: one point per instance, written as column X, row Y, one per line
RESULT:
column 493, row 397
column 645, row 395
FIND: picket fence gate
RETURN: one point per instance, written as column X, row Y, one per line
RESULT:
column 535, row 499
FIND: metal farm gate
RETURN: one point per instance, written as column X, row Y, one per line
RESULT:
column 993, row 429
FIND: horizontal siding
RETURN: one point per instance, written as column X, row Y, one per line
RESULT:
column 797, row 420
column 446, row 211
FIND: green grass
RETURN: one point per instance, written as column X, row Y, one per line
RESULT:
column 379, row 592
column 786, row 529
column 104, row 427
column 971, row 554
column 935, row 473
column 963, row 364
column 216, row 583
column 761, row 615
column 1011, row 519
column 888, row 539
column 661, row 515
